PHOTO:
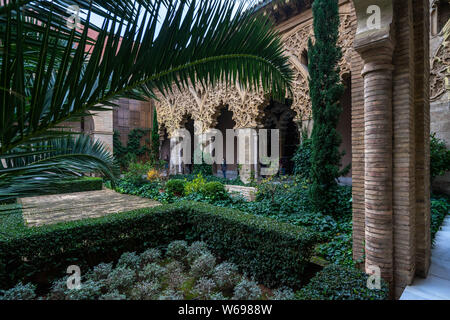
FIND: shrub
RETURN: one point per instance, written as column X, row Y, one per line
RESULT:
column 121, row 279
column 175, row 187
column 226, row 275
column 439, row 157
column 145, row 290
column 150, row 256
column 90, row 290
column 100, row 272
column 153, row 175
column 274, row 253
column 19, row 292
column 439, row 210
column 78, row 185
column 209, row 178
column 174, row 274
column 164, row 280
column 302, row 159
column 152, row 271
column 218, row 296
column 203, row 265
column 114, row 295
column 58, row 290
column 214, row 191
column 136, row 172
column 177, row 250
column 129, row 260
column 195, row 250
column 204, row 168
column 171, row 294
column 204, row 287
column 195, row 186
column 247, row 290
column 341, row 283
column 283, row 294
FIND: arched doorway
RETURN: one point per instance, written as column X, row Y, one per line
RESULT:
column 224, row 122
column 188, row 124
column 165, row 148
column 280, row 116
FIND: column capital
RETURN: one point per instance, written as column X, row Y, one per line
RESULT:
column 375, row 24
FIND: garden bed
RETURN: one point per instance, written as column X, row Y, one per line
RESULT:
column 182, row 272
column 275, row 253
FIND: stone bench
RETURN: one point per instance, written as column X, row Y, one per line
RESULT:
column 249, row 193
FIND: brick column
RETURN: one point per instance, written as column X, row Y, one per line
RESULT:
column 377, row 73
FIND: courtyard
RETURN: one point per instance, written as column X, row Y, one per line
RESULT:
column 273, row 150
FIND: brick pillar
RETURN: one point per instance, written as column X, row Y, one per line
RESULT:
column 422, row 123
column 377, row 73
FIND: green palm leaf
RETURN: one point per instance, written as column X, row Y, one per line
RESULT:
column 33, row 169
column 142, row 46
column 50, row 73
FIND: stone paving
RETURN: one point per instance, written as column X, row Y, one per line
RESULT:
column 52, row 209
column 437, row 285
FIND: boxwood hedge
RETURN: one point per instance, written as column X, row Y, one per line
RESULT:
column 80, row 185
column 274, row 253
column 336, row 282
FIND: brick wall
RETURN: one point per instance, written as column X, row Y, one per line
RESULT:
column 133, row 114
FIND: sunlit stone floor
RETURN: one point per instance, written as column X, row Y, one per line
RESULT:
column 53, row 209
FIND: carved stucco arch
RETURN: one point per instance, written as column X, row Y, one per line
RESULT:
column 296, row 42
column 204, row 105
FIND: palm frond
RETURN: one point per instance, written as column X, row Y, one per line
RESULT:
column 51, row 73
column 34, row 169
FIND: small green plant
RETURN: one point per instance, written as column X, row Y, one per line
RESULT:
column 137, row 172
column 195, row 186
column 176, row 187
column 204, row 168
column 302, row 158
column 439, row 157
column 439, row 210
column 215, row 191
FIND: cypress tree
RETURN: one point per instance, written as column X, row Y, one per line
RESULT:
column 155, row 138
column 325, row 90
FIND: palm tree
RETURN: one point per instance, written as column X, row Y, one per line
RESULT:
column 53, row 72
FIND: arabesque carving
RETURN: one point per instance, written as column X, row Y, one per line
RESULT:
column 204, row 105
column 296, row 42
column 440, row 67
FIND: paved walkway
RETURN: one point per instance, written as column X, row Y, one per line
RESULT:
column 437, row 285
column 52, row 209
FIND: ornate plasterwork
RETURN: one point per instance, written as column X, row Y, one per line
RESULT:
column 440, row 67
column 296, row 42
column 204, row 105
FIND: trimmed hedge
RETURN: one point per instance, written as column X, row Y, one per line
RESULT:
column 175, row 187
column 337, row 282
column 79, row 185
column 274, row 253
